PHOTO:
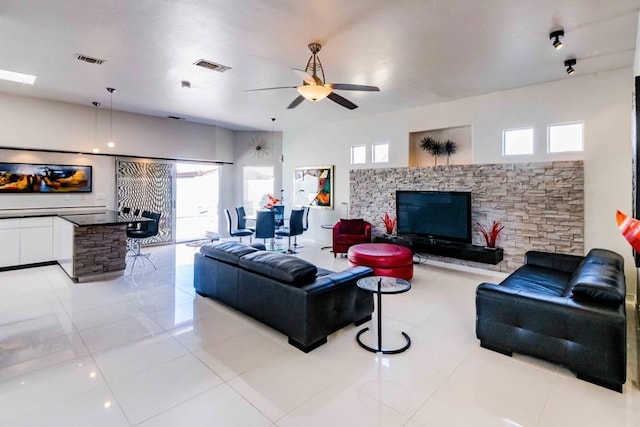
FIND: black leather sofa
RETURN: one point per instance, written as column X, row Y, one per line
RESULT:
column 563, row 308
column 287, row 293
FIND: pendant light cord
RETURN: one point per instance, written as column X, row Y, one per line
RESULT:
column 111, row 90
column 95, row 122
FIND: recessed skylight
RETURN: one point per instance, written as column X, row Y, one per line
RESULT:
column 11, row 76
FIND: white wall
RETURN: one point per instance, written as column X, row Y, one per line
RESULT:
column 602, row 101
column 44, row 124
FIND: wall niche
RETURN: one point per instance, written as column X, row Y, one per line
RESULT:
column 461, row 135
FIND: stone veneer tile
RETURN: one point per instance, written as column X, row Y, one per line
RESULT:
column 541, row 205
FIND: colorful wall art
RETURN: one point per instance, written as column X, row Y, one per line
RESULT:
column 37, row 178
column 313, row 186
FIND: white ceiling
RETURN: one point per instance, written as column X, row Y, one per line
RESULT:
column 417, row 51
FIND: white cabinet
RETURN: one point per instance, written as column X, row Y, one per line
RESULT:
column 63, row 243
column 10, row 242
column 36, row 240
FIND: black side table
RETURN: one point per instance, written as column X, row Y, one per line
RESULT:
column 383, row 285
column 326, row 227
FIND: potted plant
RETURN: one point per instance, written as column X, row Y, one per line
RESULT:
column 389, row 224
column 491, row 235
column 449, row 148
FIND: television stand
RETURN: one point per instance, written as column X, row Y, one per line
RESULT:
column 444, row 248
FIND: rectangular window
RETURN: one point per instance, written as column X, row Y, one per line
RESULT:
column 380, row 153
column 565, row 137
column 358, row 154
column 517, row 141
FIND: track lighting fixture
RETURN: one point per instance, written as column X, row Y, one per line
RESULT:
column 569, row 63
column 555, row 36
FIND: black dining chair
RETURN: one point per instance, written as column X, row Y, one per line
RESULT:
column 294, row 229
column 147, row 229
column 305, row 227
column 242, row 218
column 238, row 232
column 279, row 215
column 265, row 226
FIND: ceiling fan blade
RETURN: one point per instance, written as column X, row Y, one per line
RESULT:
column 342, row 101
column 304, row 76
column 343, row 86
column 271, row 88
column 296, row 102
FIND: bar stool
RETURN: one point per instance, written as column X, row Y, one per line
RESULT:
column 146, row 230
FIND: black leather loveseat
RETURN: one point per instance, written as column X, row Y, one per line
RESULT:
column 563, row 308
column 282, row 291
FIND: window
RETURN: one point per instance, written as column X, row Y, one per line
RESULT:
column 358, row 154
column 517, row 141
column 380, row 153
column 565, row 137
column 257, row 184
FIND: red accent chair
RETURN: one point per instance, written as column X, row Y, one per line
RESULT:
column 349, row 232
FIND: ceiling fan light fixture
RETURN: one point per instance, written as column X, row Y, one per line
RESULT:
column 314, row 92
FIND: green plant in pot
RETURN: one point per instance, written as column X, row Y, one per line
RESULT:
column 491, row 235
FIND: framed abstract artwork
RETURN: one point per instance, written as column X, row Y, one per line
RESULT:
column 313, row 187
column 31, row 178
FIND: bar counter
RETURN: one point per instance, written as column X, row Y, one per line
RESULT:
column 87, row 244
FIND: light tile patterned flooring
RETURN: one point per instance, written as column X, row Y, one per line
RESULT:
column 143, row 349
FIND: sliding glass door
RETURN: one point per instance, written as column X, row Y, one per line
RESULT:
column 197, row 195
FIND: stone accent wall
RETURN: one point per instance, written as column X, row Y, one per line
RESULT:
column 99, row 249
column 541, row 205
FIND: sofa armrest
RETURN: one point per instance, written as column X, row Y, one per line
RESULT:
column 367, row 231
column 562, row 262
column 347, row 277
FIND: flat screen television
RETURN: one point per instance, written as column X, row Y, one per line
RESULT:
column 444, row 215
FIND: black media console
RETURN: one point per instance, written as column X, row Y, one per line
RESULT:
column 443, row 248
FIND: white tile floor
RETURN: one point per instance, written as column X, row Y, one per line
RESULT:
column 143, row 349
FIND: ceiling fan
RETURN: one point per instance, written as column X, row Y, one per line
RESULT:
column 314, row 88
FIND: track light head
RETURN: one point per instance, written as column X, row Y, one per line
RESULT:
column 555, row 36
column 569, row 63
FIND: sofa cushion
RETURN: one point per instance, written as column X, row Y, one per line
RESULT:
column 536, row 279
column 352, row 226
column 598, row 283
column 229, row 252
column 284, row 268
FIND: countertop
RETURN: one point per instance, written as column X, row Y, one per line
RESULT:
column 103, row 217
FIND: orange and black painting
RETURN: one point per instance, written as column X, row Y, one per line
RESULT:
column 36, row 178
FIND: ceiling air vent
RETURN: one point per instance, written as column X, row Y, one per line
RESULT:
column 211, row 65
column 90, row 60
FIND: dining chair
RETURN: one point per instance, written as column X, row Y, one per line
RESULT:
column 238, row 232
column 294, row 229
column 279, row 215
column 305, row 227
column 242, row 218
column 265, row 226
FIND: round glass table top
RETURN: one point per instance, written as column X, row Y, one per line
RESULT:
column 387, row 285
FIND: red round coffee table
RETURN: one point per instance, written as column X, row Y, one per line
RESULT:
column 386, row 259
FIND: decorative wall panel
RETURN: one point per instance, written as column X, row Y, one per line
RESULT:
column 541, row 205
column 147, row 186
